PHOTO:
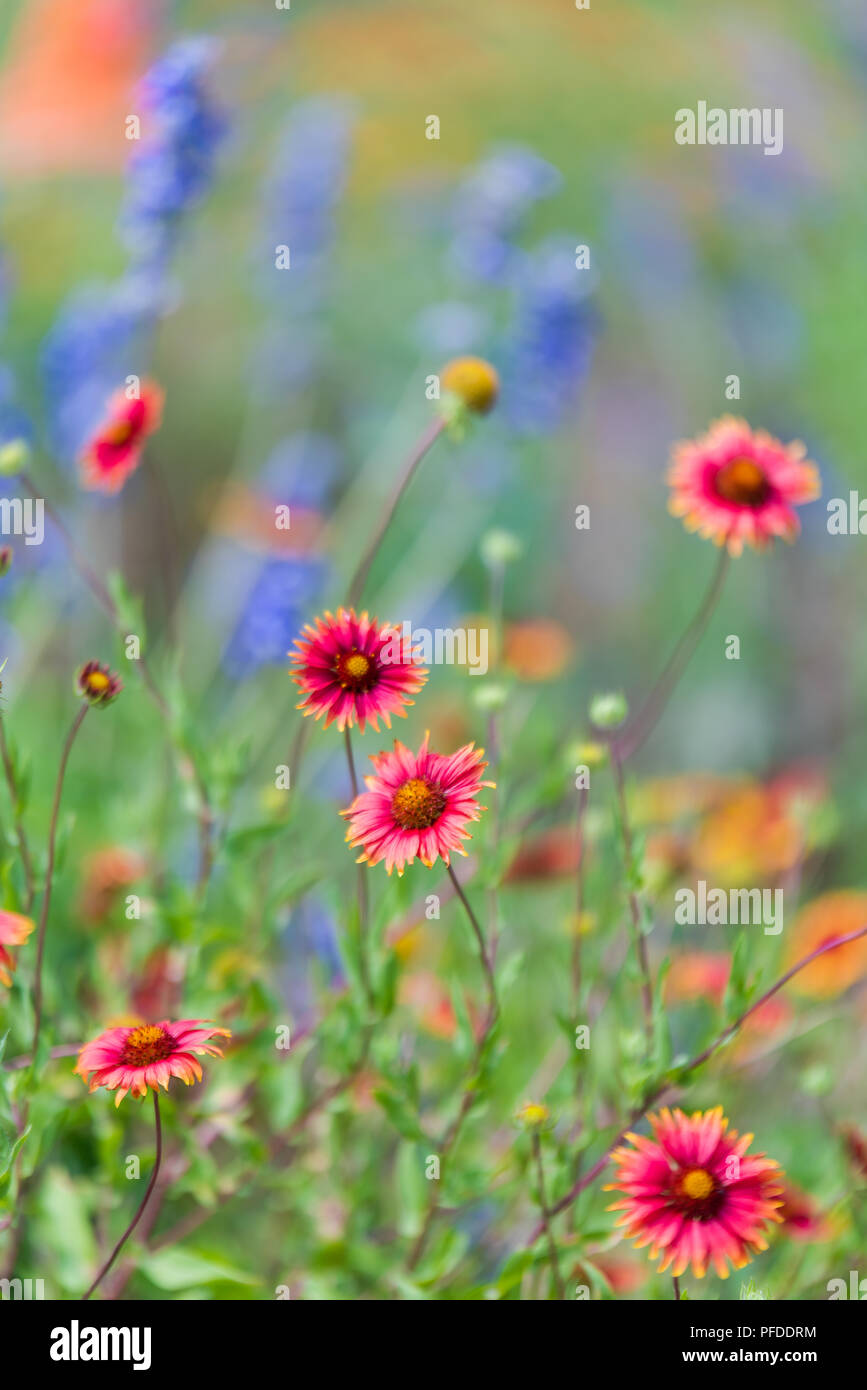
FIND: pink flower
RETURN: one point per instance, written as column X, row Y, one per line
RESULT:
column 14, row 931
column 115, row 449
column 133, row 1059
column 737, row 486
column 417, row 804
column 693, row 1195
column 354, row 670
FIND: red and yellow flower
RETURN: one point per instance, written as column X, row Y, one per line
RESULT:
column 693, row 1194
column 114, row 451
column 738, row 486
column 136, row 1059
column 417, row 805
column 355, row 670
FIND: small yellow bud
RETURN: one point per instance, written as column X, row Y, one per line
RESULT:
column 473, row 381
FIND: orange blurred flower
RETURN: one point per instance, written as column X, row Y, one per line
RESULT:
column 68, row 83
column 106, row 873
column 698, row 975
column 550, row 854
column 539, row 649
column 832, row 915
column 802, row 1219
column 750, row 837
column 423, row 993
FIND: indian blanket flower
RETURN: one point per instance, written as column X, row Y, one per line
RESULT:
column 14, row 931
column 97, row 684
column 355, row 670
column 738, row 486
column 416, row 805
column 114, row 451
column 134, row 1060
column 693, row 1194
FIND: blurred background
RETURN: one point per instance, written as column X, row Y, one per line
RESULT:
column 306, row 128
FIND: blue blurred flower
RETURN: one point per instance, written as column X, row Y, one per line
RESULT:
column 273, row 615
column 491, row 206
column 302, row 468
column 550, row 342
column 182, row 132
column 302, row 190
column 102, row 333
column 98, row 338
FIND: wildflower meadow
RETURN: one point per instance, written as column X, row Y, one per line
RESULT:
column 432, row 706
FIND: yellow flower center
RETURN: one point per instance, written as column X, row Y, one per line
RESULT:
column 149, row 1043
column 356, row 670
column 97, row 680
column 743, row 482
column 417, row 804
column 119, row 433
column 697, row 1183
column 532, row 1114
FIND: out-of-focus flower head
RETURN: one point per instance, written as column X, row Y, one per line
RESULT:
column 693, row 1194
column 301, row 194
column 856, row 1149
column 274, row 610
column 491, row 206
column 14, row 931
column 473, row 382
column 698, row 975
column 298, row 474
column 738, row 486
column 801, row 1217
column 549, row 344
column 106, row 873
column 533, row 1115
column 538, row 649
column 429, row 1000
column 551, row 853
column 96, row 684
column 157, row 986
column 114, row 451
column 98, row 338
column 751, row 835
column 830, row 916
column 173, row 164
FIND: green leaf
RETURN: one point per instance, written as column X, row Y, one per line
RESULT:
column 404, row 1122
column 179, row 1269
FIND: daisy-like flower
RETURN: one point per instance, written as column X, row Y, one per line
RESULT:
column 14, row 931
column 114, row 451
column 97, row 684
column 693, row 1195
column 738, row 486
column 355, row 670
column 416, row 804
column 146, row 1057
